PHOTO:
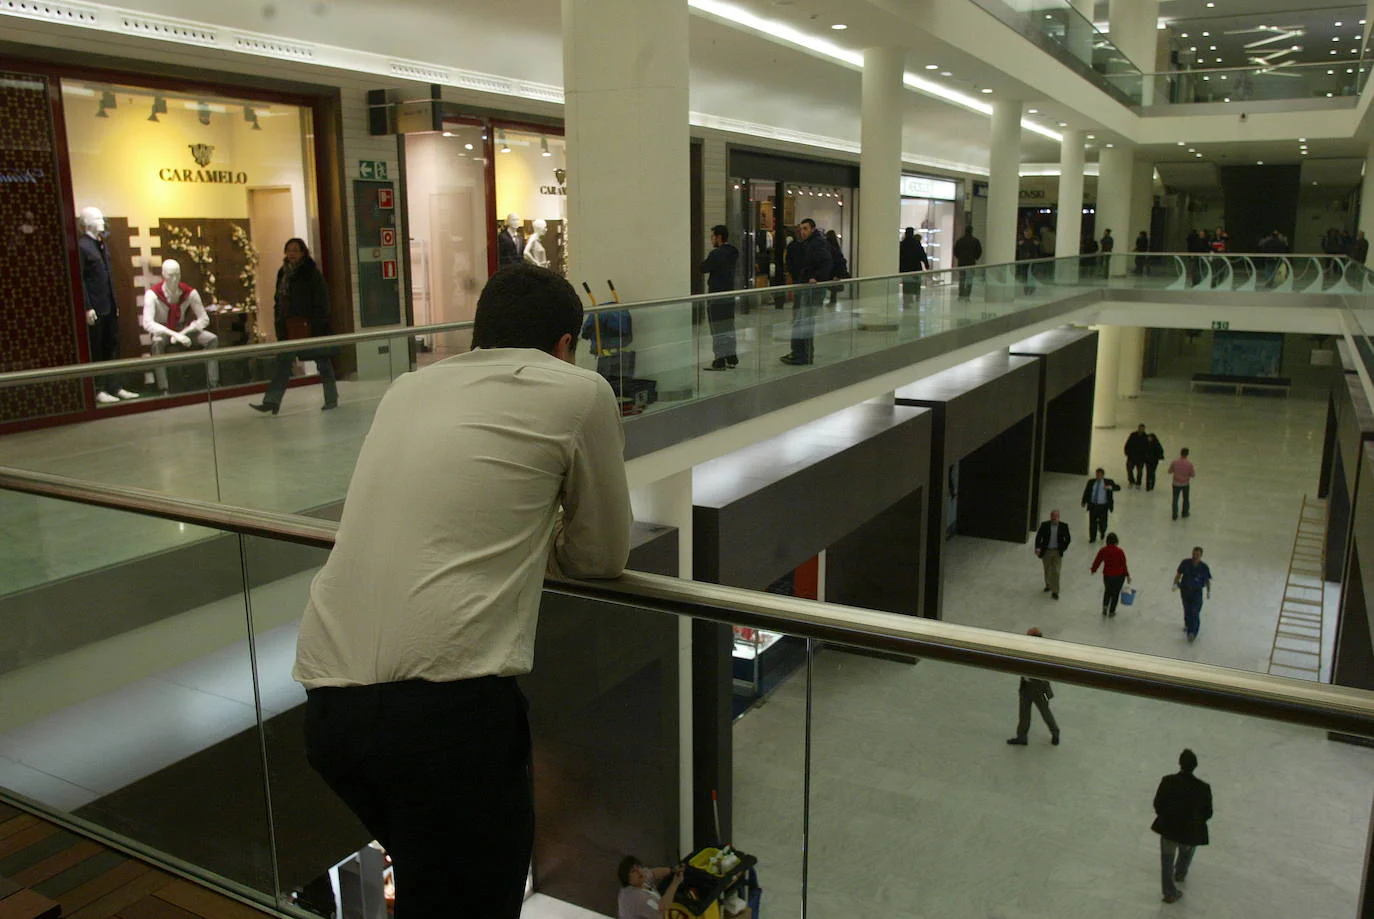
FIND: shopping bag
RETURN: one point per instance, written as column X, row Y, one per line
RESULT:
column 1128, row 596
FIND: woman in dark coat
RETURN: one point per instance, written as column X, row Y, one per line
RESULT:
column 302, row 312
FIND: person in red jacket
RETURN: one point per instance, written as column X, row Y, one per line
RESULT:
column 1115, row 573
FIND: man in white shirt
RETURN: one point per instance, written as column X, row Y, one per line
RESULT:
column 479, row 473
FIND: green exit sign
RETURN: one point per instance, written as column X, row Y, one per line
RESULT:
column 1220, row 326
column 372, row 169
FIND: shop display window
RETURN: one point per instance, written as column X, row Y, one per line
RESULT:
column 930, row 211
column 531, row 170
column 217, row 184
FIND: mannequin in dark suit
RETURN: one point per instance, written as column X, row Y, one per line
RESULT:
column 1097, row 498
column 1183, row 805
column 510, row 245
column 1055, row 532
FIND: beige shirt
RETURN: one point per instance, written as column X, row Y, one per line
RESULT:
column 438, row 567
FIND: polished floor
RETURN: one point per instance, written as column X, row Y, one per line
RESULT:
column 918, row 807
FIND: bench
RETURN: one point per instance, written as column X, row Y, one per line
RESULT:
column 1240, row 384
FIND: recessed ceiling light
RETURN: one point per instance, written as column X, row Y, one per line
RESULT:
column 1338, row 25
column 1111, row 145
column 1206, row 34
column 1063, row 124
column 1333, row 50
column 1314, row 183
column 1185, row 34
column 1092, row 137
column 1259, row 162
column 985, row 90
column 932, row 67
column 1182, row 144
column 1194, row 48
column 1302, row 140
column 467, row 146
column 1218, row 60
column 839, row 27
column 1210, row 5
column 1032, row 111
column 1335, row 38
column 1212, row 48
column 1330, row 72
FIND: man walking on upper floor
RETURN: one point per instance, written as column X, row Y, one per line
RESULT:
column 1183, row 805
column 1038, row 693
column 719, row 268
column 967, row 251
column 1098, row 499
column 809, row 263
column 1183, row 471
column 1051, row 542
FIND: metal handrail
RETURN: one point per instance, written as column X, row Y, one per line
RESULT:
column 268, row 349
column 1332, row 708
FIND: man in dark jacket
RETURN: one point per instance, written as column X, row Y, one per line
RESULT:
column 967, row 251
column 1137, row 452
column 1097, row 498
column 719, row 268
column 1153, row 458
column 1035, row 692
column 1183, row 805
column 1051, row 542
column 911, row 256
column 809, row 262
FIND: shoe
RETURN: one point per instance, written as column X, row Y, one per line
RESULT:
column 732, row 361
column 1046, row 590
column 794, row 360
column 1017, row 742
column 1112, row 614
column 1192, row 637
column 717, row 364
column 265, row 407
column 1180, row 878
column 1054, row 738
column 105, row 398
column 125, row 394
column 1173, row 897
column 1104, row 611
column 1185, row 513
column 1055, row 595
column 1175, row 516
column 328, row 406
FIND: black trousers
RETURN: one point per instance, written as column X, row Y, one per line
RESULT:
column 440, row 774
column 966, row 282
column 1183, row 490
column 1133, row 469
column 104, row 341
column 1097, row 521
column 1111, row 591
column 1150, row 469
column 721, row 315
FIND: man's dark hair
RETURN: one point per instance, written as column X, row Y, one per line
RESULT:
column 722, row 231
column 810, row 221
column 1197, row 548
column 1099, row 469
column 1187, row 761
column 622, row 871
column 525, row 306
column 1185, row 452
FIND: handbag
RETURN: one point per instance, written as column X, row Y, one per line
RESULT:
column 297, row 327
column 1128, row 596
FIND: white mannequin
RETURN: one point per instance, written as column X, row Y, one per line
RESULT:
column 191, row 323
column 534, row 246
column 95, row 265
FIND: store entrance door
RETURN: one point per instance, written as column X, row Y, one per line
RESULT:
column 269, row 214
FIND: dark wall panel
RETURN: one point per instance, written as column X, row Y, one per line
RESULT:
column 995, row 485
column 1260, row 199
column 879, row 565
column 1069, row 429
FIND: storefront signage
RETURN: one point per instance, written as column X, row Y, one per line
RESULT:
column 1033, row 194
column 203, row 154
column 372, row 169
column 926, row 187
column 561, row 175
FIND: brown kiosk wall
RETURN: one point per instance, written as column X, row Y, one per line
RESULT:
column 1064, row 430
column 985, row 413
column 852, row 484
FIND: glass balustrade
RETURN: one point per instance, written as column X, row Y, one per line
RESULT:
column 876, row 783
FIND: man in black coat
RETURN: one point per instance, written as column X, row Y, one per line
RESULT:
column 1153, row 457
column 1183, row 805
column 1035, row 692
column 1137, row 451
column 967, row 251
column 1097, row 498
column 1051, row 542
column 809, row 262
column 911, row 256
column 719, row 268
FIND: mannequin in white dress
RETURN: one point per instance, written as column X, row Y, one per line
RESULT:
column 534, row 246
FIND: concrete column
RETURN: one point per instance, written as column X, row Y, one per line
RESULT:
column 669, row 502
column 1004, row 181
column 625, row 74
column 1068, row 230
column 1115, row 167
column 1104, row 396
column 1142, row 200
column 1132, row 25
column 880, row 162
column 1130, row 361
column 1367, row 192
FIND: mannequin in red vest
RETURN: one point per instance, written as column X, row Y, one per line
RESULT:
column 174, row 316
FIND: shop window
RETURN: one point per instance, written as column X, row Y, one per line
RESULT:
column 218, row 184
column 531, row 198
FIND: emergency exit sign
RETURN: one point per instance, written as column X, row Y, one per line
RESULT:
column 1220, row 326
column 372, row 169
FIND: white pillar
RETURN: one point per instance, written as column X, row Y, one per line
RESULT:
column 625, row 75
column 1068, row 230
column 1115, row 166
column 1130, row 360
column 669, row 502
column 1142, row 199
column 880, row 161
column 1104, row 396
column 1131, row 25
column 1367, row 192
column 1004, row 181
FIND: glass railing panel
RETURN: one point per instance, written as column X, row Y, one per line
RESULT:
column 920, row 806
column 1334, row 79
column 127, row 697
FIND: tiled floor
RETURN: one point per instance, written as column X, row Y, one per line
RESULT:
column 919, row 808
